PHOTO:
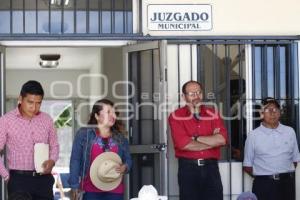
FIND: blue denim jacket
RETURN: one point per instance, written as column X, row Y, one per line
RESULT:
column 81, row 153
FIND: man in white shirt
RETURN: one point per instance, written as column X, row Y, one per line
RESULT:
column 271, row 155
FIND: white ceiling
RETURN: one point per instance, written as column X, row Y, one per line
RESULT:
column 75, row 58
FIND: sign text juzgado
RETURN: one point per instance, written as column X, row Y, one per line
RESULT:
column 179, row 17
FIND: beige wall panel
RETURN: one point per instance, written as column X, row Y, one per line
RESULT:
column 233, row 17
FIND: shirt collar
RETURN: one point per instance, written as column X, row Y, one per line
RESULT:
column 18, row 113
column 188, row 112
column 278, row 129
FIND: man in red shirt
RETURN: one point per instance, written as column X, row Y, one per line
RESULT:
column 198, row 133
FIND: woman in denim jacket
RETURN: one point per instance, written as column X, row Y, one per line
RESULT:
column 100, row 136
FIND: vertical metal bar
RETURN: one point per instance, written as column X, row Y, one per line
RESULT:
column 250, row 60
column 112, row 16
column 217, row 68
column 128, row 63
column 214, row 71
column 100, row 15
column 36, row 17
column 178, row 70
column 227, row 111
column 152, row 94
column 75, row 16
column 191, row 61
column 134, row 76
column 228, row 86
column 253, row 71
column 11, row 17
column 276, row 58
column 163, row 118
column 241, row 83
column 23, row 16
column 241, row 92
column 49, row 17
column 241, row 104
column 62, row 17
column 295, row 66
column 127, row 7
column 87, row 16
column 290, row 71
column 74, row 117
column 200, row 66
column 290, row 80
column 139, row 98
column 199, row 63
column 124, row 16
column 264, row 71
column 140, row 18
column 262, row 68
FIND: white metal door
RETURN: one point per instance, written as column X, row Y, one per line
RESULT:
column 147, row 121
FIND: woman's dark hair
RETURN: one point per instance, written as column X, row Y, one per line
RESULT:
column 32, row 87
column 97, row 107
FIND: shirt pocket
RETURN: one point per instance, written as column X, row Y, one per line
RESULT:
column 286, row 145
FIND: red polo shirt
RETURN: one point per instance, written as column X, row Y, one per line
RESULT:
column 184, row 126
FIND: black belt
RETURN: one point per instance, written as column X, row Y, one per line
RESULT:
column 200, row 162
column 25, row 172
column 277, row 177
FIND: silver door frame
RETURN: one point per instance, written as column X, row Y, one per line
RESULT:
column 2, row 102
column 162, row 47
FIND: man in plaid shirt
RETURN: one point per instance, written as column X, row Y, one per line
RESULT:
column 20, row 130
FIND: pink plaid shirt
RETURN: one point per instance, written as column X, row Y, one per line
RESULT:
column 20, row 134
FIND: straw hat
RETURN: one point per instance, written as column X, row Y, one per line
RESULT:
column 103, row 171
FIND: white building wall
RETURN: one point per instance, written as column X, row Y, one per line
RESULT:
column 98, row 81
column 15, row 78
column 114, row 69
column 232, row 17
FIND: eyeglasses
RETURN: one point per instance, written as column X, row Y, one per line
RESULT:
column 193, row 94
column 269, row 110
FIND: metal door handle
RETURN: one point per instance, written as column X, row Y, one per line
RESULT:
column 160, row 147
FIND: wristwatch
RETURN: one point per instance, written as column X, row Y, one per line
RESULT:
column 195, row 137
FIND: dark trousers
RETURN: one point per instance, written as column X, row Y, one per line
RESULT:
column 269, row 189
column 39, row 187
column 102, row 196
column 199, row 182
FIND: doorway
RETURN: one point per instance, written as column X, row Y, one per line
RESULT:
column 83, row 75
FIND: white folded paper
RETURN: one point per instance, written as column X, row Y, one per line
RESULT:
column 41, row 154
